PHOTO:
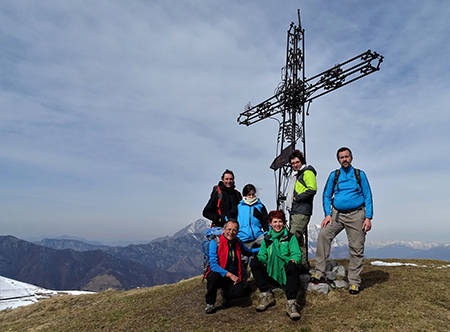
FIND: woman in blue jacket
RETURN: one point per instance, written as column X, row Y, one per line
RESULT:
column 253, row 223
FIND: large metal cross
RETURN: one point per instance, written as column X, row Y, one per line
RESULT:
column 294, row 92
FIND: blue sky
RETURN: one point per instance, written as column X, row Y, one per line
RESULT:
column 117, row 118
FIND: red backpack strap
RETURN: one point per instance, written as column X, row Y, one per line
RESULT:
column 218, row 201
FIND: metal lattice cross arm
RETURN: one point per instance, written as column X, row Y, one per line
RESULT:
column 340, row 75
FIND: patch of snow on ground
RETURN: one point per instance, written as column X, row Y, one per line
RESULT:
column 14, row 294
column 381, row 263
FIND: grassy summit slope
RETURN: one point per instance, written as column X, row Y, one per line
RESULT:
column 401, row 298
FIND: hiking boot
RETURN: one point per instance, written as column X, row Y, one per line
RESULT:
column 353, row 289
column 291, row 309
column 317, row 279
column 267, row 300
column 210, row 309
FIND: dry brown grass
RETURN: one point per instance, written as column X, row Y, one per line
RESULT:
column 404, row 298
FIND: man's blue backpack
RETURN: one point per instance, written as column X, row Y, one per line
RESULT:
column 211, row 234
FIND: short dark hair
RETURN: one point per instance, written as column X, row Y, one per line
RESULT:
column 342, row 150
column 227, row 171
column 233, row 221
column 297, row 154
column 247, row 188
column 279, row 214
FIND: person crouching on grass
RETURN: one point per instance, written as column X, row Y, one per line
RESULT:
column 225, row 267
column 277, row 264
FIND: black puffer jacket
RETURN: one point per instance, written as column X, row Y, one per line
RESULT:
column 229, row 201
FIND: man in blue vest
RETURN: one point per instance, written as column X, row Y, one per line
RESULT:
column 347, row 202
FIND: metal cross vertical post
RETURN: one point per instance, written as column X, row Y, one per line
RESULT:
column 289, row 94
column 294, row 92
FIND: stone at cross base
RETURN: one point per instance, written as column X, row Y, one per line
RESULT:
column 335, row 274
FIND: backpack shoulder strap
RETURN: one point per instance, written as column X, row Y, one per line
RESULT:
column 287, row 238
column 219, row 195
column 219, row 192
column 267, row 240
column 206, row 264
column 336, row 179
column 217, row 239
column 358, row 177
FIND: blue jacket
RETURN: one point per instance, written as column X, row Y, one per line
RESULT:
column 252, row 220
column 350, row 195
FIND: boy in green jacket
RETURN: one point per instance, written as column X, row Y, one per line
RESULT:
column 277, row 264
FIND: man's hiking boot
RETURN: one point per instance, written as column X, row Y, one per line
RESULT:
column 267, row 300
column 210, row 309
column 318, row 279
column 353, row 289
column 291, row 309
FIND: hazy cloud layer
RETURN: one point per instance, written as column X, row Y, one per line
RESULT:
column 117, row 118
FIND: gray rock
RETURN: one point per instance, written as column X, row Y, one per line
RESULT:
column 339, row 270
column 341, row 283
column 334, row 273
column 331, row 275
column 330, row 265
column 321, row 288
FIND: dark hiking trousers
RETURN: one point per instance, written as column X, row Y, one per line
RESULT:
column 263, row 280
column 230, row 291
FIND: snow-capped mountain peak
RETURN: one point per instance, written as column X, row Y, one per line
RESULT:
column 197, row 227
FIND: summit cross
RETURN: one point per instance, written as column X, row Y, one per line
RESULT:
column 294, row 92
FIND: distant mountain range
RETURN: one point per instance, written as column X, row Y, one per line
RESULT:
column 64, row 263
column 94, row 270
column 378, row 249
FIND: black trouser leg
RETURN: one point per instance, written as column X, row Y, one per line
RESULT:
column 214, row 281
column 231, row 291
column 262, row 279
column 292, row 280
column 259, row 272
